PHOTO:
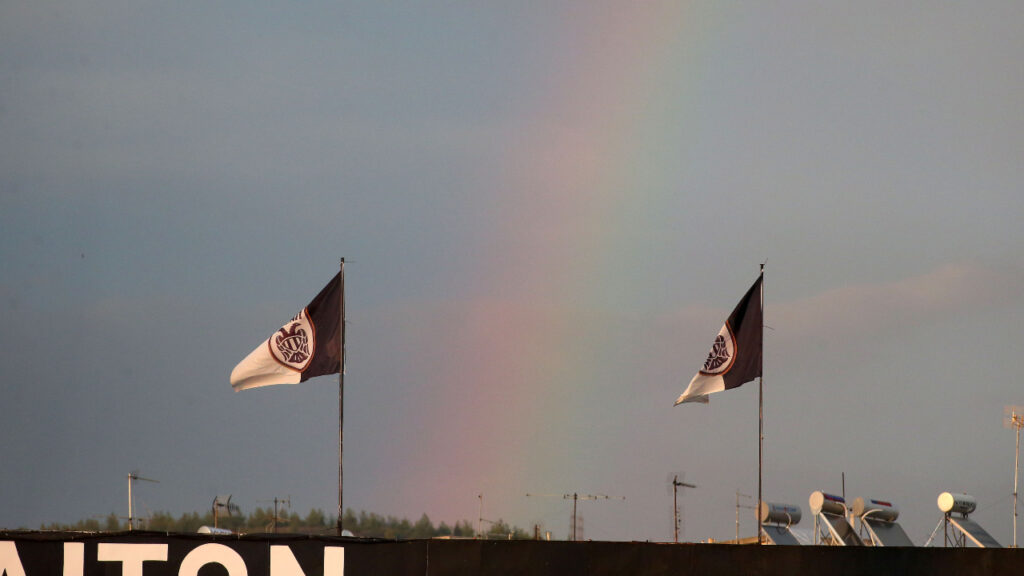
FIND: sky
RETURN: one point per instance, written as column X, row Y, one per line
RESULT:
column 546, row 210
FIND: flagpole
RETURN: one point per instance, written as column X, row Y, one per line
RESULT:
column 341, row 396
column 760, row 414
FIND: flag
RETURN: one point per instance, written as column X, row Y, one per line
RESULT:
column 308, row 345
column 735, row 357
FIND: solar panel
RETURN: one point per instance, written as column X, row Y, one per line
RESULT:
column 842, row 533
column 886, row 533
column 780, row 535
column 805, row 536
column 975, row 532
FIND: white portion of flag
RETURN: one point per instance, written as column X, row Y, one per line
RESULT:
column 260, row 368
column 699, row 388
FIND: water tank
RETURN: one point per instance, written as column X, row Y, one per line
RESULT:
column 878, row 509
column 212, row 530
column 959, row 503
column 777, row 513
column 827, row 503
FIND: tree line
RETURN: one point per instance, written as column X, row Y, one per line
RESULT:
column 261, row 520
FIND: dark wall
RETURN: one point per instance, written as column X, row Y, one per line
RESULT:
column 42, row 554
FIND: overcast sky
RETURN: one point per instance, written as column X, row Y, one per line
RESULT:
column 547, row 210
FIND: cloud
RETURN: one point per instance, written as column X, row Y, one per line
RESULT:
column 861, row 310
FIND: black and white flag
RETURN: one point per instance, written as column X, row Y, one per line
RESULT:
column 308, row 345
column 735, row 357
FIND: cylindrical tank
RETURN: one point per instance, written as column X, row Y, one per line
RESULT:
column 878, row 509
column 959, row 503
column 778, row 513
column 828, row 503
column 212, row 530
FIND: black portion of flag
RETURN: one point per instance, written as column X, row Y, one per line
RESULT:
column 745, row 323
column 325, row 314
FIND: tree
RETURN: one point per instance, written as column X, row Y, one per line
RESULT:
column 422, row 529
column 502, row 530
column 364, row 524
column 315, row 520
column 463, row 529
column 113, row 523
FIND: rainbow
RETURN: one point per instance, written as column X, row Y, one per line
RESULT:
column 578, row 188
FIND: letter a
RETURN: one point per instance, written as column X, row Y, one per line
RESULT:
column 10, row 563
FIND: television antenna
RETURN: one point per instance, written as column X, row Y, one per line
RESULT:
column 674, row 481
column 132, row 477
column 480, row 518
column 576, row 497
column 738, row 506
column 283, row 501
column 224, row 502
column 1015, row 419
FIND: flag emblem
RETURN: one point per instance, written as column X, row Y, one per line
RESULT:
column 723, row 352
column 293, row 345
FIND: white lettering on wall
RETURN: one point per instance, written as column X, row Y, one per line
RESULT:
column 283, row 562
column 334, row 561
column 74, row 558
column 10, row 563
column 131, row 556
column 212, row 552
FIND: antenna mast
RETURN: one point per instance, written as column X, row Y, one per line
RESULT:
column 132, row 476
column 676, row 484
column 738, row 506
column 277, row 501
column 576, row 497
column 480, row 519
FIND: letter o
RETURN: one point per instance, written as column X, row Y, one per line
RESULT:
column 212, row 552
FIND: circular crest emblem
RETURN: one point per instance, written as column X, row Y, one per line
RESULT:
column 294, row 344
column 723, row 353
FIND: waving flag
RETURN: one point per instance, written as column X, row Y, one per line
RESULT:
column 735, row 357
column 308, row 345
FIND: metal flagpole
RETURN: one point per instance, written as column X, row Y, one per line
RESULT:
column 1016, row 469
column 760, row 415
column 341, row 397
